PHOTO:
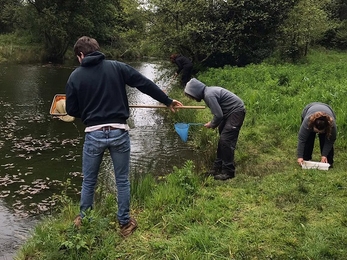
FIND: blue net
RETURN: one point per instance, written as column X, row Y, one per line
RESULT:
column 183, row 128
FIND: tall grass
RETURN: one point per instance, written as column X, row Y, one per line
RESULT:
column 19, row 49
column 272, row 209
column 274, row 96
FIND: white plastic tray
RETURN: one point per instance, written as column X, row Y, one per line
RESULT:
column 315, row 165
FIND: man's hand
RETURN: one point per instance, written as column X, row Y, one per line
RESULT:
column 208, row 125
column 174, row 105
column 323, row 159
column 300, row 161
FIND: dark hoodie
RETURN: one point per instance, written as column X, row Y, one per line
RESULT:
column 96, row 91
column 221, row 101
column 183, row 62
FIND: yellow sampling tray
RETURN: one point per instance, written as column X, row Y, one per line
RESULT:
column 54, row 110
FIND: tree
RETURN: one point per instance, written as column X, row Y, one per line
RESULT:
column 60, row 22
column 217, row 32
column 305, row 25
column 336, row 36
column 8, row 15
column 131, row 38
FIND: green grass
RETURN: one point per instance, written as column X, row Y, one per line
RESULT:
column 293, row 214
column 272, row 209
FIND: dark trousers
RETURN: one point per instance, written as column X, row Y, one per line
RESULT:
column 186, row 75
column 229, row 131
column 308, row 150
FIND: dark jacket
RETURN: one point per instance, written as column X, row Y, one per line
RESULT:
column 221, row 101
column 183, row 62
column 96, row 91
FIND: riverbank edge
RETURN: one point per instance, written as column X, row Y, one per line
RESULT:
column 13, row 51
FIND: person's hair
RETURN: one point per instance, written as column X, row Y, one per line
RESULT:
column 85, row 45
column 322, row 121
column 173, row 57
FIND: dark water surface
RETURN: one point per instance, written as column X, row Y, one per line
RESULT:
column 40, row 153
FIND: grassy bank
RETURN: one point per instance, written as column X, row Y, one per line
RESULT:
column 272, row 209
column 19, row 49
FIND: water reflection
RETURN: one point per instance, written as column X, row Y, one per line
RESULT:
column 39, row 154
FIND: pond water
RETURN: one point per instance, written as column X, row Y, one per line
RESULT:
column 40, row 153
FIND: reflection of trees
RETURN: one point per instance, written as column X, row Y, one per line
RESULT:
column 144, row 116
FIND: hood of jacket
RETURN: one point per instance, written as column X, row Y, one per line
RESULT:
column 195, row 88
column 92, row 59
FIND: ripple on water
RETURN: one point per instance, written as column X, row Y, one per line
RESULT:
column 164, row 149
column 13, row 232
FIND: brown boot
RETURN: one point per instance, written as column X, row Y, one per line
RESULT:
column 78, row 221
column 127, row 229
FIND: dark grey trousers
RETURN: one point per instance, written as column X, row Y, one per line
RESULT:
column 229, row 130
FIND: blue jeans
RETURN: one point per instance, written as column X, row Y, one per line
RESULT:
column 117, row 141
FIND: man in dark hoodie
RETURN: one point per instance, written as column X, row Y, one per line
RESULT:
column 228, row 112
column 96, row 93
column 185, row 67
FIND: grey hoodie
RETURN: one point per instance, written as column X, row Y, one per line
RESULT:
column 304, row 131
column 221, row 101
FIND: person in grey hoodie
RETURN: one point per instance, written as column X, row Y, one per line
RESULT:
column 316, row 118
column 228, row 112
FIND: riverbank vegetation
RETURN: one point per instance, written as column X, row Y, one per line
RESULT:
column 212, row 33
column 272, row 209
